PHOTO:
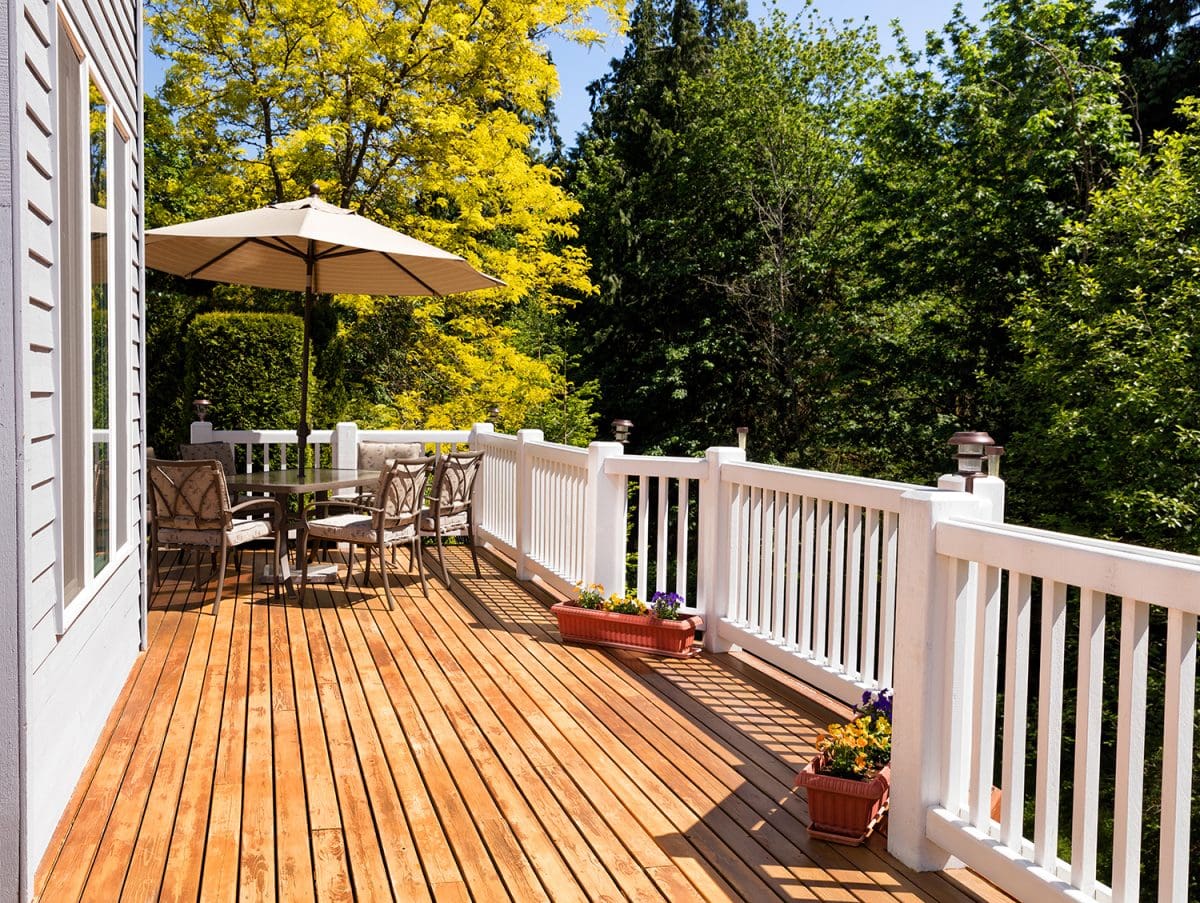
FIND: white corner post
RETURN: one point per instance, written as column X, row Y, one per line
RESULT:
column 479, row 511
column 202, row 431
column 345, row 446
column 715, row 565
column 930, row 704
column 605, row 520
column 990, row 488
column 476, row 429
column 524, row 529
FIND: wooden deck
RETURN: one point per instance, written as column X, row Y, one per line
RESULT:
column 453, row 750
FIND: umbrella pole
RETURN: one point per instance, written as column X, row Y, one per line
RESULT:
column 302, row 429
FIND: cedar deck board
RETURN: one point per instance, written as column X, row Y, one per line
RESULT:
column 453, row 749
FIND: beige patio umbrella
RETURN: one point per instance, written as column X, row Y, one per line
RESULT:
column 310, row 246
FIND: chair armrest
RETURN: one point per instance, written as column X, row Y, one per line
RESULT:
column 345, row 505
column 261, row 504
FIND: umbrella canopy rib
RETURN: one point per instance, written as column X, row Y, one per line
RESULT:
column 412, row 275
column 281, row 246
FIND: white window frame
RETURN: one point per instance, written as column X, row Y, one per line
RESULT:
column 74, row 523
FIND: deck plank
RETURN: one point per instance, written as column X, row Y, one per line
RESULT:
column 257, row 866
column 529, row 796
column 293, row 846
column 451, row 749
column 222, row 848
column 153, row 842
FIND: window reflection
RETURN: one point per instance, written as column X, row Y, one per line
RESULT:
column 98, row 168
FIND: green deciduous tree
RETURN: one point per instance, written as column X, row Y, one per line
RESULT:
column 1111, row 360
column 773, row 139
column 976, row 156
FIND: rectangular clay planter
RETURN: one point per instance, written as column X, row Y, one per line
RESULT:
column 840, row 809
column 641, row 632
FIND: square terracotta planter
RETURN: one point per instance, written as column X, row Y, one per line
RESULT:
column 640, row 632
column 840, row 809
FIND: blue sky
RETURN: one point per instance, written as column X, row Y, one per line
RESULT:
column 578, row 66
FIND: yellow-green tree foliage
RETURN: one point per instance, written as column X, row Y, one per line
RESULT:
column 419, row 113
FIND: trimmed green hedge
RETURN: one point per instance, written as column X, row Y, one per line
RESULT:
column 248, row 366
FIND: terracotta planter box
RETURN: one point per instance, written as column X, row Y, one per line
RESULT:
column 840, row 809
column 640, row 632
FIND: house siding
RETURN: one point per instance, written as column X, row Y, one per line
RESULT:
column 57, row 685
column 11, row 615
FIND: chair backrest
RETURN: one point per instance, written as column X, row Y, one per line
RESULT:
column 401, row 491
column 210, row 451
column 454, row 483
column 189, row 495
column 375, row 455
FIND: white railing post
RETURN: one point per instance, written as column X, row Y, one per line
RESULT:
column 480, row 477
column 202, row 431
column 929, row 708
column 524, row 531
column 716, row 547
column 990, row 488
column 604, row 521
column 476, row 429
column 345, row 446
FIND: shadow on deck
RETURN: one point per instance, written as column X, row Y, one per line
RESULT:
column 451, row 749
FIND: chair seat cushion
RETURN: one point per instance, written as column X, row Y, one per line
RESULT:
column 242, row 531
column 357, row 528
column 456, row 521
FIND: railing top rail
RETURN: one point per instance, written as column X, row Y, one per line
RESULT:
column 440, row 436
column 1167, row 579
column 656, row 466
column 880, row 494
column 559, row 454
column 272, row 437
column 496, row 439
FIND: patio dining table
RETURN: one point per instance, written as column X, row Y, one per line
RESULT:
column 284, row 483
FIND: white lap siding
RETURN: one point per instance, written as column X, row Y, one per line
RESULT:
column 59, row 677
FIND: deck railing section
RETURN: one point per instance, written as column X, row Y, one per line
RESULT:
column 813, row 573
column 1008, row 597
column 556, row 477
column 497, row 499
column 261, row 450
column 664, row 539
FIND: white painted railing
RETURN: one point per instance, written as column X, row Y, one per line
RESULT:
column 850, row 583
column 1003, row 597
column 258, row 450
column 813, row 573
column 665, row 540
column 556, row 476
column 498, row 490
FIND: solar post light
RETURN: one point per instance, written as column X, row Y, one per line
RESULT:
column 621, row 430
column 201, row 406
column 969, row 451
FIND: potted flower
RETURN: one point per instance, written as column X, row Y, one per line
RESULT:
column 849, row 779
column 626, row 622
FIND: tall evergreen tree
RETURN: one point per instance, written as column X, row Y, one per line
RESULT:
column 1160, row 53
column 642, row 335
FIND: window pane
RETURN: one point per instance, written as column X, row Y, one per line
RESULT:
column 98, row 195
